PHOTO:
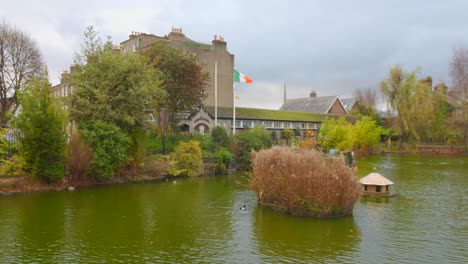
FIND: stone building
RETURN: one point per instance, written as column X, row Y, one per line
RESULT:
column 208, row 55
column 274, row 121
column 63, row 89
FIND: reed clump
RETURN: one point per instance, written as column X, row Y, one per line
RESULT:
column 304, row 182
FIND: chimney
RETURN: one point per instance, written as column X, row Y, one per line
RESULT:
column 176, row 34
column 72, row 68
column 132, row 35
column 218, row 43
column 63, row 77
column 313, row 94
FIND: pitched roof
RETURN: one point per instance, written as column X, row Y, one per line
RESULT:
column 275, row 115
column 375, row 178
column 348, row 103
column 318, row 105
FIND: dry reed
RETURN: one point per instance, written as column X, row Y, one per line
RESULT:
column 304, row 182
column 79, row 155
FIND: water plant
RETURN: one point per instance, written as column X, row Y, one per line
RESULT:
column 303, row 182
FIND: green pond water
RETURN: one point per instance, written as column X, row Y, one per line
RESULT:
column 199, row 220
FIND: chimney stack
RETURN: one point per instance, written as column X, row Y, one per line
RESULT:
column 63, row 77
column 313, row 94
column 72, row 68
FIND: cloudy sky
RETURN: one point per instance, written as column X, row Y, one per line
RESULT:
column 330, row 46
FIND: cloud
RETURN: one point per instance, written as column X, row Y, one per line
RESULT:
column 332, row 47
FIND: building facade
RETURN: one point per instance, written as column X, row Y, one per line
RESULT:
column 209, row 55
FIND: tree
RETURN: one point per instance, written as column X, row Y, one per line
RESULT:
column 336, row 134
column 115, row 88
column 459, row 71
column 411, row 99
column 244, row 142
column 42, row 123
column 220, row 137
column 367, row 133
column 183, row 80
column 117, row 92
column 366, row 103
column 20, row 62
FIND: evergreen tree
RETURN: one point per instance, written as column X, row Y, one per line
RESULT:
column 42, row 123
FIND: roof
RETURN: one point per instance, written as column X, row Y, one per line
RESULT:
column 348, row 103
column 375, row 178
column 318, row 105
column 275, row 115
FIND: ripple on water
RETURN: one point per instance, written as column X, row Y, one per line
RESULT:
column 198, row 220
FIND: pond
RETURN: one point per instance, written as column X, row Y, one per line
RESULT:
column 199, row 220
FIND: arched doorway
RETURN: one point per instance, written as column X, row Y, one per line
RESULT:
column 202, row 129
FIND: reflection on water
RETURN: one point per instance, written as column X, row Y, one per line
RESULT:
column 200, row 220
column 291, row 239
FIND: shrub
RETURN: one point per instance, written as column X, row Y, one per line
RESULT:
column 367, row 134
column 220, row 137
column 187, row 159
column 303, row 182
column 336, row 134
column 246, row 141
column 154, row 166
column 12, row 167
column 307, row 143
column 42, row 123
column 78, row 154
column 3, row 148
column 222, row 158
column 206, row 143
column 110, row 147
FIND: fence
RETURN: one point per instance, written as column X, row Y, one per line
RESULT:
column 8, row 142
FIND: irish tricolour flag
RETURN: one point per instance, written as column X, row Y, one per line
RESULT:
column 241, row 78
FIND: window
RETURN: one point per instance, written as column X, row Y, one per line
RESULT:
column 386, row 188
column 378, row 188
column 365, row 188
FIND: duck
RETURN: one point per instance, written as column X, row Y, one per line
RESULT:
column 243, row 207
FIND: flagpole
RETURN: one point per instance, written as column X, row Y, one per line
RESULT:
column 234, row 108
column 216, row 93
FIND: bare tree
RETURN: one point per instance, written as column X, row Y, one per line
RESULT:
column 20, row 61
column 366, row 97
column 459, row 72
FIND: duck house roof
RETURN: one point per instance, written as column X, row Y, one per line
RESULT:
column 375, row 178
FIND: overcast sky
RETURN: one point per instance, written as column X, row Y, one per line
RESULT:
column 332, row 47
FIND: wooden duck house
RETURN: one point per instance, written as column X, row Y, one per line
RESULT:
column 375, row 183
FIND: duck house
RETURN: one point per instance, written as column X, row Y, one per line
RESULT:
column 375, row 183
